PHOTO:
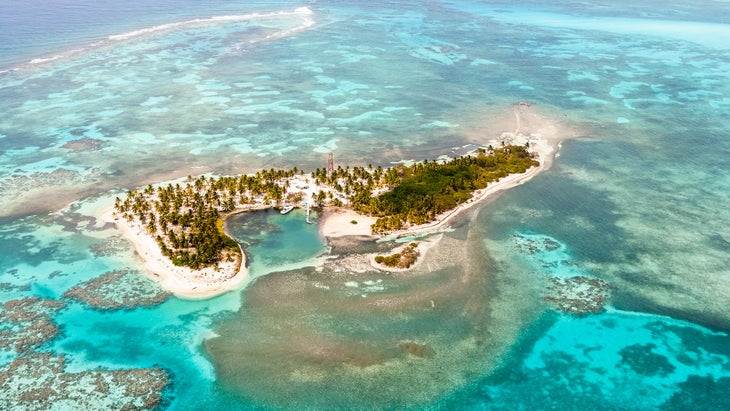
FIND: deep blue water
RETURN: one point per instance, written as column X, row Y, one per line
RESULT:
column 639, row 201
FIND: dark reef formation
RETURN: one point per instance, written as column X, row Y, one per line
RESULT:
column 28, row 323
column 578, row 295
column 38, row 381
column 83, row 144
column 111, row 246
column 118, row 289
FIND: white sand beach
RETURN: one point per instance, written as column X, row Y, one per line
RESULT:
column 181, row 281
column 542, row 134
column 423, row 246
column 338, row 222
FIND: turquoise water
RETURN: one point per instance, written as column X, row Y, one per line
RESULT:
column 92, row 106
column 275, row 242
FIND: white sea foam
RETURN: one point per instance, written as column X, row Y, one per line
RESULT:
column 46, row 59
column 321, row 286
column 302, row 12
column 307, row 22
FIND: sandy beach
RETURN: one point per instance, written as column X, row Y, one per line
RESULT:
column 423, row 246
column 544, row 141
column 338, row 222
column 181, row 281
column 541, row 133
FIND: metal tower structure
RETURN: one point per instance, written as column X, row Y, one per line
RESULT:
column 330, row 163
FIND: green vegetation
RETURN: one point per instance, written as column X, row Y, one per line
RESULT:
column 187, row 219
column 404, row 259
column 424, row 190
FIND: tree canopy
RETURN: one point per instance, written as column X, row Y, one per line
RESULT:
column 187, row 220
column 424, row 190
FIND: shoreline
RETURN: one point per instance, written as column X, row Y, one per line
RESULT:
column 183, row 282
column 545, row 142
column 492, row 190
column 337, row 222
column 424, row 245
column 542, row 135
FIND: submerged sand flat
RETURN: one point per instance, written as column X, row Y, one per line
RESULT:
column 347, row 330
column 330, row 335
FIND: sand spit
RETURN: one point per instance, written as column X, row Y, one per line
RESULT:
column 340, row 222
column 544, row 137
column 422, row 247
column 181, row 281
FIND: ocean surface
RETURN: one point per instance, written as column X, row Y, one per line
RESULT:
column 100, row 97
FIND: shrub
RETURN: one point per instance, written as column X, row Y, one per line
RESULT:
column 404, row 259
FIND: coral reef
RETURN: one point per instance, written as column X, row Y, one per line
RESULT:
column 111, row 246
column 532, row 246
column 119, row 289
column 83, row 144
column 419, row 350
column 27, row 323
column 37, row 381
column 578, row 295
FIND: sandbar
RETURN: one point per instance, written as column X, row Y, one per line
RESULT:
column 423, row 246
column 338, row 222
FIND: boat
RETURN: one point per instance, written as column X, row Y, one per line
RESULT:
column 286, row 209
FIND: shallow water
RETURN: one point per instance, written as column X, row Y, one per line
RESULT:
column 274, row 242
column 637, row 203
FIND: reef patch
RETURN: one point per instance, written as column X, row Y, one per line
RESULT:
column 27, row 323
column 83, row 144
column 113, row 245
column 118, row 289
column 38, row 381
column 577, row 295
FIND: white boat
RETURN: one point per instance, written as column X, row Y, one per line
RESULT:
column 286, row 209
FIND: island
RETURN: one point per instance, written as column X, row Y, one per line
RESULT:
column 403, row 258
column 178, row 228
